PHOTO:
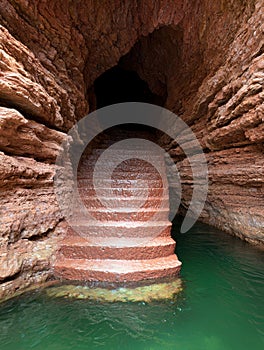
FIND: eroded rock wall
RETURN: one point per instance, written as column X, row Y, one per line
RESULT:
column 214, row 81
column 206, row 57
column 226, row 113
column 30, row 118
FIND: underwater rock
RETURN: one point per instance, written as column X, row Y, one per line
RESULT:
column 148, row 293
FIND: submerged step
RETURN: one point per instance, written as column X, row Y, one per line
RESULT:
column 117, row 270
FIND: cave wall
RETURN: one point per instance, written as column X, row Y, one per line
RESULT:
column 205, row 56
column 216, row 86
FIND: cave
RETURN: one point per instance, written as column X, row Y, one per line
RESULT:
column 126, row 222
column 62, row 61
column 118, row 85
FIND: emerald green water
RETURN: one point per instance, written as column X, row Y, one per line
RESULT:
column 220, row 308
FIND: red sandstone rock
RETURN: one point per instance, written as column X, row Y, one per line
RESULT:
column 118, row 270
column 206, row 59
column 23, row 137
column 74, row 246
column 27, row 263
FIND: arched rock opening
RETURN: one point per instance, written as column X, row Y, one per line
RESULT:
column 119, row 85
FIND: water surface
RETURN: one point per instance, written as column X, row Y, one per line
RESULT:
column 220, row 308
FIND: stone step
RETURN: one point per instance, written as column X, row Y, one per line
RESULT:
column 150, row 163
column 106, row 144
column 120, row 136
column 117, row 207
column 138, row 151
column 117, row 270
column 121, row 183
column 122, row 192
column 118, row 161
column 123, row 175
column 140, row 145
column 132, row 165
column 122, row 229
column 126, row 202
column 130, row 214
column 76, row 247
column 125, row 171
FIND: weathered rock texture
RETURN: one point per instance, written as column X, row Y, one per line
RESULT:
column 205, row 57
column 214, row 81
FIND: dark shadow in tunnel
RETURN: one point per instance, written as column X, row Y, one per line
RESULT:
column 118, row 85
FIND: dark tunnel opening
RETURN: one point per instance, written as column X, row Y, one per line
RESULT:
column 118, row 85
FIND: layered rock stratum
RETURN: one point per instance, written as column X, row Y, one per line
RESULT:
column 206, row 58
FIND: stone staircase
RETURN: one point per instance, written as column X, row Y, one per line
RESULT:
column 129, row 238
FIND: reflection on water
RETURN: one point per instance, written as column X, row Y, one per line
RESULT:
column 221, row 307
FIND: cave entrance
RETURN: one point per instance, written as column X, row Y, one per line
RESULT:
column 118, row 85
column 123, row 185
